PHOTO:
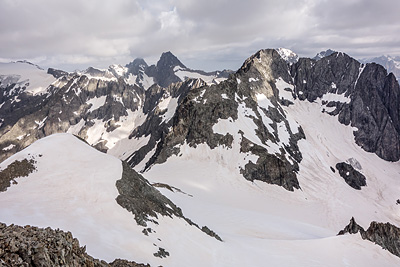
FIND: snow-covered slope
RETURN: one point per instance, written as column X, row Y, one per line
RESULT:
column 24, row 74
column 288, row 55
column 209, row 77
column 74, row 188
column 265, row 225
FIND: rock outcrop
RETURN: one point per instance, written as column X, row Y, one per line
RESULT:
column 352, row 177
column 146, row 203
column 138, row 196
column 385, row 235
column 33, row 246
column 16, row 169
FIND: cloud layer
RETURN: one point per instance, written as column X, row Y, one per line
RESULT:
column 204, row 34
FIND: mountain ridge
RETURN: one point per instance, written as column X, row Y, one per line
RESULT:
column 275, row 158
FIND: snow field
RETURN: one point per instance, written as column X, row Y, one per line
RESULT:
column 74, row 189
column 38, row 79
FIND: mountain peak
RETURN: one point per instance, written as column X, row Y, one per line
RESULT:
column 288, row 55
column 136, row 65
column 168, row 59
column 323, row 54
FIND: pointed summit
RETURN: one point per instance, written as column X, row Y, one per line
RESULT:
column 136, row 65
column 169, row 60
column 164, row 71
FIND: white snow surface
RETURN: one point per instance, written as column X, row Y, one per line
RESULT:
column 8, row 147
column 336, row 98
column 96, row 102
column 283, row 87
column 147, row 81
column 266, row 225
column 24, row 73
column 74, row 189
column 185, row 74
column 288, row 55
column 118, row 139
column 170, row 104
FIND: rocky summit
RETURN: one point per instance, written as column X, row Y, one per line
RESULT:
column 180, row 167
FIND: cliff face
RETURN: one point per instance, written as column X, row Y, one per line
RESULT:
column 373, row 93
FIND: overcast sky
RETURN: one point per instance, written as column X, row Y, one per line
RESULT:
column 206, row 34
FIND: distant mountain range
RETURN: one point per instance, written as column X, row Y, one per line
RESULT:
column 391, row 64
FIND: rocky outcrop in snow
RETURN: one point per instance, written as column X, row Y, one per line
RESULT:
column 33, row 246
column 352, row 177
column 16, row 169
column 146, row 203
column 385, row 235
column 143, row 200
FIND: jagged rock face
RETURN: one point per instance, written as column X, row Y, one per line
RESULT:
column 352, row 228
column 385, row 235
column 136, row 66
column 101, row 106
column 163, row 72
column 357, row 94
column 32, row 246
column 370, row 99
column 75, row 104
column 160, row 106
column 235, row 102
column 106, row 110
column 288, row 55
column 352, row 177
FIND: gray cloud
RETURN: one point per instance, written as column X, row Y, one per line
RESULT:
column 203, row 34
